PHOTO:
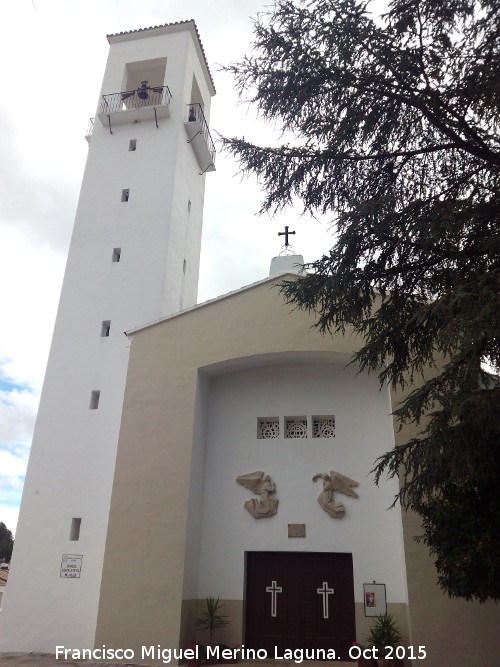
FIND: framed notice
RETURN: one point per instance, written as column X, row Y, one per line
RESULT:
column 374, row 599
column 71, row 566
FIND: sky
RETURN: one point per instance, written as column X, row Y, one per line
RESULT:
column 54, row 53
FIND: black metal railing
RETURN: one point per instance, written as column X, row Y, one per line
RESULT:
column 195, row 114
column 135, row 99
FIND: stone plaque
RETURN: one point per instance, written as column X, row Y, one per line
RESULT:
column 296, row 530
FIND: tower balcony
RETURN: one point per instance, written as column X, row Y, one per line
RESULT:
column 145, row 103
column 200, row 138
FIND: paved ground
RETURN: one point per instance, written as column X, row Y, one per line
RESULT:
column 48, row 660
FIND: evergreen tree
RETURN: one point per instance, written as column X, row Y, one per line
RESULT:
column 6, row 542
column 395, row 126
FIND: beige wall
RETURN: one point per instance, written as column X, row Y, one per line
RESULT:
column 142, row 581
column 454, row 632
column 144, row 559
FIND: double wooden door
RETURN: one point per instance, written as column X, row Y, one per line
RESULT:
column 299, row 600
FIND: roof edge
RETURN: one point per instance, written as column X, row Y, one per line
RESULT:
column 131, row 332
column 165, row 28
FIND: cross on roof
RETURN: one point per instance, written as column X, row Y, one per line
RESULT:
column 286, row 234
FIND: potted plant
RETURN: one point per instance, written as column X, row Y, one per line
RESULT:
column 384, row 632
column 210, row 619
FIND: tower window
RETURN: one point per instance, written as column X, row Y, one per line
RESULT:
column 184, row 266
column 74, row 531
column 117, row 252
column 189, row 206
column 132, row 144
column 106, row 326
column 125, row 194
column 94, row 399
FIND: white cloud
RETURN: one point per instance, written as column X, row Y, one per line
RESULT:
column 17, row 418
column 31, row 278
column 12, row 484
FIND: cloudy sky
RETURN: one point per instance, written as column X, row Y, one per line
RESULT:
column 53, row 54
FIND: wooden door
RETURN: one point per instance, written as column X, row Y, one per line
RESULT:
column 299, row 600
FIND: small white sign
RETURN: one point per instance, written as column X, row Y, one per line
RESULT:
column 71, row 566
column 375, row 600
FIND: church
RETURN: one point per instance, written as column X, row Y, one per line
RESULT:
column 220, row 449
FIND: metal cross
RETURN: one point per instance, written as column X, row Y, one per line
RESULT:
column 286, row 234
column 273, row 589
column 325, row 592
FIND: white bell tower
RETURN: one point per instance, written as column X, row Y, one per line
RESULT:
column 134, row 257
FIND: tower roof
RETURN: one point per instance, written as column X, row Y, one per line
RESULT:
column 164, row 29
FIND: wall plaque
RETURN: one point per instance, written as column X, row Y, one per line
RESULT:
column 71, row 566
column 374, row 599
column 296, row 530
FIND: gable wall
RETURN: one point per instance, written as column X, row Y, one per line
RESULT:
column 153, row 466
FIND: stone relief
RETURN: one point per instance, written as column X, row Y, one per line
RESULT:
column 262, row 485
column 334, row 482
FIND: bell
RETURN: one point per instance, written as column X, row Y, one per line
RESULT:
column 192, row 116
column 142, row 92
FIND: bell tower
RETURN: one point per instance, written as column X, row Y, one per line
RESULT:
column 133, row 258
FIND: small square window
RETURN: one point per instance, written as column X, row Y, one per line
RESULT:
column 125, row 194
column 94, row 399
column 295, row 427
column 268, row 427
column 117, row 253
column 105, row 328
column 132, row 144
column 324, row 427
column 74, row 532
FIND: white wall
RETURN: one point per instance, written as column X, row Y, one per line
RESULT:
column 363, row 431
column 73, row 455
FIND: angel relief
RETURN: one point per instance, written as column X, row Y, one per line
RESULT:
column 334, row 482
column 262, row 485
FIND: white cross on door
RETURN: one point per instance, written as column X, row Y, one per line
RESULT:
column 274, row 589
column 325, row 592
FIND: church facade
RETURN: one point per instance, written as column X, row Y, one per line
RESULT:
column 239, row 386
column 227, row 389
column 216, row 450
